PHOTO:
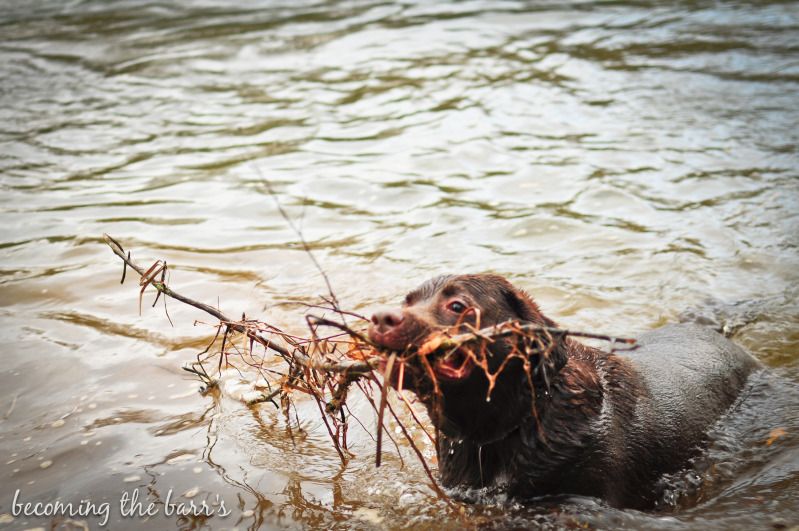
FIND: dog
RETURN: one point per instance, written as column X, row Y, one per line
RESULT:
column 566, row 418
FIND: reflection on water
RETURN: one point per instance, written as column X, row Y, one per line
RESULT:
column 625, row 163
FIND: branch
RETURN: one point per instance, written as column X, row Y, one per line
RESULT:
column 351, row 366
column 433, row 344
column 160, row 286
column 508, row 328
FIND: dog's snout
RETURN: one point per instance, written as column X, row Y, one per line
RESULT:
column 386, row 320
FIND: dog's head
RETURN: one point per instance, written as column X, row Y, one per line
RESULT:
column 454, row 304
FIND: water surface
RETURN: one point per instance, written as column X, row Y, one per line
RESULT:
column 628, row 163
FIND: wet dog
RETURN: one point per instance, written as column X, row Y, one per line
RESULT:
column 565, row 418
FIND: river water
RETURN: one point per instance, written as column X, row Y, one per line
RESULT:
column 628, row 163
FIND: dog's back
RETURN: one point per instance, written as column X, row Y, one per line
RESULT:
column 690, row 375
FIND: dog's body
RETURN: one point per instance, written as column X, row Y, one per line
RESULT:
column 589, row 423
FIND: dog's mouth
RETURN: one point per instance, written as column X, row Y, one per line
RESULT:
column 450, row 366
column 454, row 366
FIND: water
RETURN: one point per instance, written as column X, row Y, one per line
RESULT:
column 624, row 162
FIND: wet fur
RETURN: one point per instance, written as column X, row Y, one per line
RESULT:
column 603, row 425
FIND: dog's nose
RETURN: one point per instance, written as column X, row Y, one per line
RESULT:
column 386, row 320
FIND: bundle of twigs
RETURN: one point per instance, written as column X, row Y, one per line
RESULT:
column 326, row 366
column 321, row 366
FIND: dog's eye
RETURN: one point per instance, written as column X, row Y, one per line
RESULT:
column 456, row 306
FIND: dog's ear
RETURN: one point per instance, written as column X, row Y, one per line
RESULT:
column 524, row 307
column 528, row 311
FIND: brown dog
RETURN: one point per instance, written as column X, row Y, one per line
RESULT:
column 581, row 421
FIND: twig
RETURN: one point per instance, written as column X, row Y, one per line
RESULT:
column 444, row 342
column 383, row 398
column 351, row 366
column 305, row 246
column 493, row 332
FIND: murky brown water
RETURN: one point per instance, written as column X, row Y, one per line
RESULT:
column 624, row 163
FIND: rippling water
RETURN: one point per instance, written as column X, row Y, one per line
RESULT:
column 627, row 163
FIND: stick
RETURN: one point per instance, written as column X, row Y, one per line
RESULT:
column 351, row 366
column 513, row 327
column 383, row 398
